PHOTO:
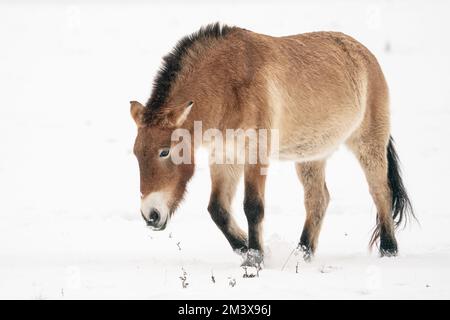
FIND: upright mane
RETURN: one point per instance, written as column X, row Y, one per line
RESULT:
column 172, row 62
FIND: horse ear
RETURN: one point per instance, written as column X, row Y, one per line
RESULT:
column 137, row 112
column 178, row 115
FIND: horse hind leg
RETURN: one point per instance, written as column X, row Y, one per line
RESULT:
column 373, row 158
column 316, row 199
column 254, row 211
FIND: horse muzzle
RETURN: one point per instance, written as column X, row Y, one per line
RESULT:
column 155, row 221
column 155, row 211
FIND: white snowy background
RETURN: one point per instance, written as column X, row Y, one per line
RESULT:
column 69, row 184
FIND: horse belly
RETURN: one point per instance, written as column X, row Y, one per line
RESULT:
column 310, row 137
column 314, row 122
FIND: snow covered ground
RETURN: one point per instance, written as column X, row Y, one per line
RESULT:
column 69, row 189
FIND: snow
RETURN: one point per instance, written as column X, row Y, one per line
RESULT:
column 69, row 209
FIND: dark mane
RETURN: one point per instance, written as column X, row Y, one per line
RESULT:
column 172, row 62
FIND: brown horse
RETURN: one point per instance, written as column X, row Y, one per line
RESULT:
column 316, row 90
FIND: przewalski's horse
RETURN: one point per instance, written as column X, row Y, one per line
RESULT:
column 319, row 90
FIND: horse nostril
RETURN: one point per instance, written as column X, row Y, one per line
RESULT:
column 154, row 216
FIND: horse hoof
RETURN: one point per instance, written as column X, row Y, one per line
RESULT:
column 391, row 252
column 388, row 246
column 253, row 258
column 306, row 252
column 241, row 252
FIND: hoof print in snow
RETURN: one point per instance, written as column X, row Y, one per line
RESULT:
column 328, row 269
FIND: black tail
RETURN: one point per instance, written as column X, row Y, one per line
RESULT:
column 401, row 205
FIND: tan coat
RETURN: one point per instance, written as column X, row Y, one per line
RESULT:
column 319, row 90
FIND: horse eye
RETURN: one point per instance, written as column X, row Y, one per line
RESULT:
column 164, row 153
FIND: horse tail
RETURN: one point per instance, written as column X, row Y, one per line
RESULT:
column 402, row 209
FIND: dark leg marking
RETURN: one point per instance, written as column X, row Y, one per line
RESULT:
column 254, row 211
column 223, row 219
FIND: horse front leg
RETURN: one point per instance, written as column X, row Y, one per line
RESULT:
column 224, row 181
